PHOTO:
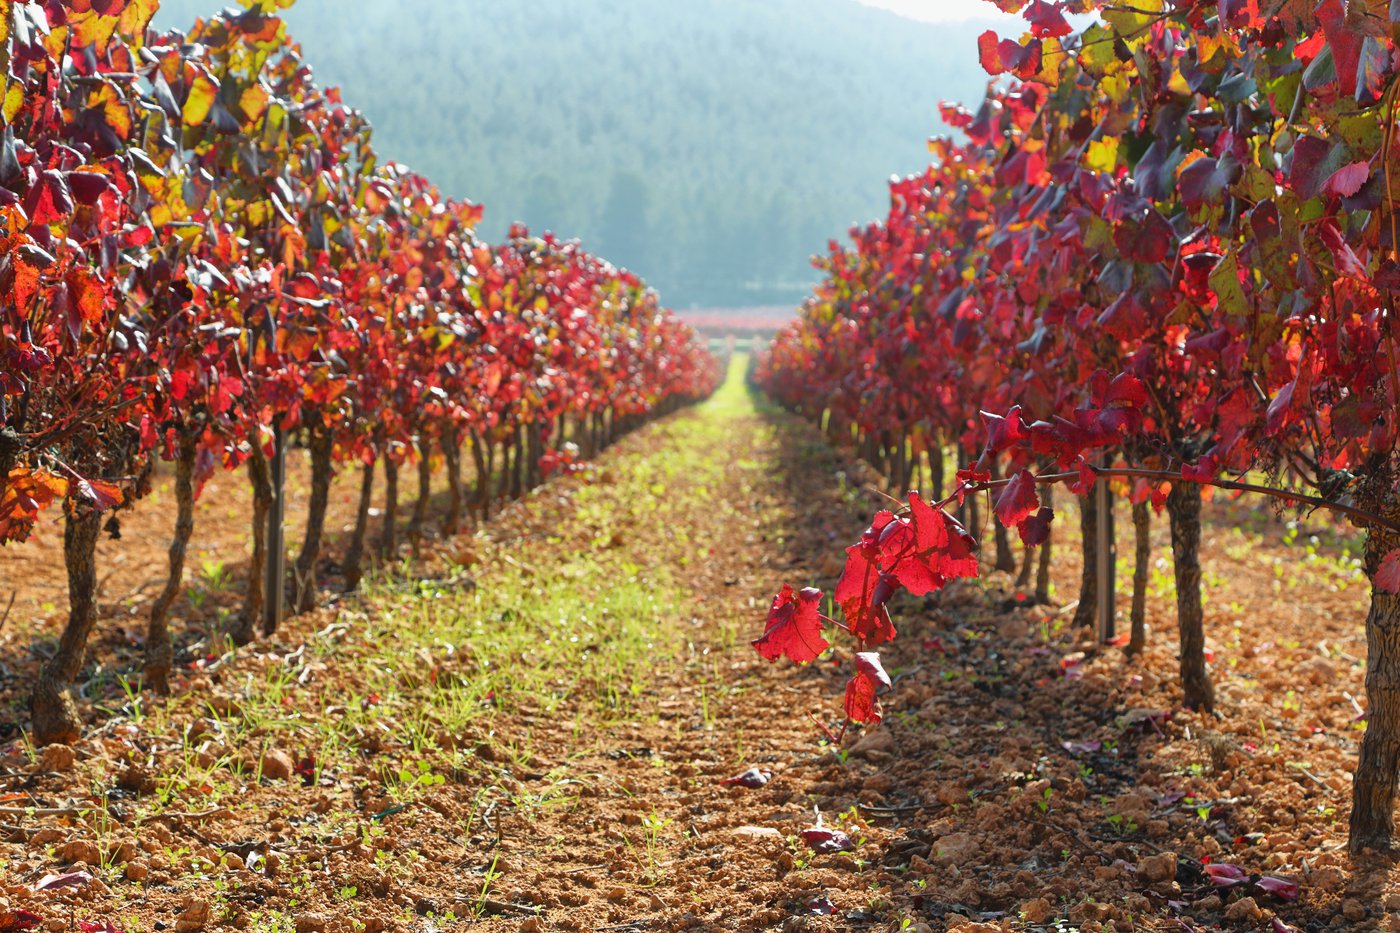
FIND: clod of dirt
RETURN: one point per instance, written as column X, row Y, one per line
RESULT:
column 1156, row 869
column 57, row 758
column 310, row 923
column 875, row 745
column 277, row 765
column 1035, row 911
column 136, row 870
column 194, row 917
column 82, row 851
column 1244, row 909
column 757, row 832
column 957, row 847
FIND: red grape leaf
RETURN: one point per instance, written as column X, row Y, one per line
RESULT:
column 15, row 920
column 862, row 690
column 1387, row 576
column 1047, row 22
column 1036, row 529
column 1346, row 44
column 49, row 199
column 1347, row 180
column 1005, row 432
column 1148, row 239
column 1018, row 499
column 794, row 627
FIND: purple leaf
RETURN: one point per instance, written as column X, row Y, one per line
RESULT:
column 824, row 840
column 752, row 778
column 74, row 879
column 822, row 906
column 1279, row 888
column 1225, row 875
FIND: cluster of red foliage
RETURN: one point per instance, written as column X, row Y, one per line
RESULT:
column 1171, row 238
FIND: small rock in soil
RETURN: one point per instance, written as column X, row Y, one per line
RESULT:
column 875, row 745
column 310, row 923
column 277, row 765
column 82, row 851
column 194, row 917
column 757, row 832
column 1158, row 868
column 1035, row 911
column 1243, row 909
column 956, row 847
column 57, row 758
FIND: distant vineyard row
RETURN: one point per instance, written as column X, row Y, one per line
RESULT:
column 202, row 254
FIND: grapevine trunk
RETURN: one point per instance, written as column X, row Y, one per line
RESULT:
column 1377, row 767
column 1142, row 530
column 1184, row 510
column 55, row 715
column 452, row 455
column 1005, row 561
column 159, row 653
column 322, row 448
column 419, row 520
column 260, row 477
column 1089, row 578
column 388, row 533
column 355, row 551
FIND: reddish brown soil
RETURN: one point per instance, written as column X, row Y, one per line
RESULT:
column 1013, row 787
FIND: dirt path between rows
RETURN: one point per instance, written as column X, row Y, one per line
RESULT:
column 531, row 733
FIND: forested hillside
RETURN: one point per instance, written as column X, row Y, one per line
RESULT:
column 711, row 146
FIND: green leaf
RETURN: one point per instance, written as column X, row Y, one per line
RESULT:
column 1225, row 283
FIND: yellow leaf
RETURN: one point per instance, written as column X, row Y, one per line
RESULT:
column 1102, row 155
column 253, row 102
column 14, row 100
column 136, row 16
column 200, row 100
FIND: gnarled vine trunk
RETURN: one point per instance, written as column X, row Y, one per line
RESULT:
column 1042, row 571
column 51, row 706
column 1184, row 510
column 1088, row 607
column 936, row 469
column 419, row 519
column 1005, row 561
column 1023, row 579
column 483, row 478
column 1374, row 783
column 452, row 456
column 1142, row 555
column 353, row 565
column 517, row 473
column 503, row 487
column 244, row 631
column 322, row 449
column 388, row 532
column 159, row 652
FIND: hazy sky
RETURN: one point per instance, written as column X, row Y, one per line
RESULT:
column 940, row 10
